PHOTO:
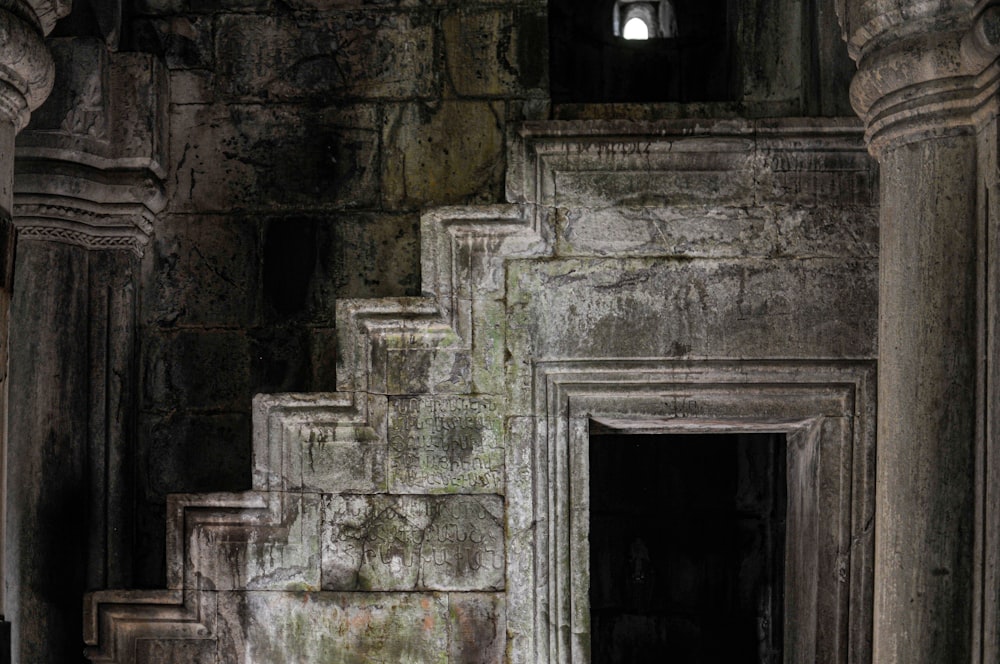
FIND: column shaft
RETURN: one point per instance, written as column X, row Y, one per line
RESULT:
column 927, row 402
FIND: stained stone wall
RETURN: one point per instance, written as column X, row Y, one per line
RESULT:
column 305, row 136
column 435, row 507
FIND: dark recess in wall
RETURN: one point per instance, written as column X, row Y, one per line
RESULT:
column 588, row 64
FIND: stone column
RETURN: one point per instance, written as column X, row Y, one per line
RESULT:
column 88, row 185
column 26, row 78
column 929, row 105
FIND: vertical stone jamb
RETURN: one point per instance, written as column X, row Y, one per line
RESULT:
column 926, row 89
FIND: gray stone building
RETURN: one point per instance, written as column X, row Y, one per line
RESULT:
column 469, row 331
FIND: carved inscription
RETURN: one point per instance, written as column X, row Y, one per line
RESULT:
column 445, row 445
column 384, row 542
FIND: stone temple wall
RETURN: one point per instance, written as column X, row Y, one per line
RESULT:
column 670, row 277
column 238, row 169
column 305, row 137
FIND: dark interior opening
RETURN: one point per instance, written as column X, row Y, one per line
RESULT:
column 687, row 539
column 589, row 64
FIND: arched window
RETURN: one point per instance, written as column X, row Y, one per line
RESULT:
column 635, row 28
column 641, row 19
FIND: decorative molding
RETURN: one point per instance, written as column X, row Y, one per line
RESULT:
column 828, row 404
column 89, row 168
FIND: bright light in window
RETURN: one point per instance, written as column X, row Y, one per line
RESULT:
column 635, row 28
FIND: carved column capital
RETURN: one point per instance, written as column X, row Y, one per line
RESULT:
column 26, row 68
column 924, row 68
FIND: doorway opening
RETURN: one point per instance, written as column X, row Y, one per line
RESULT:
column 687, row 547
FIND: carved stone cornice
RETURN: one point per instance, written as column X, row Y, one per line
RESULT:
column 89, row 168
column 924, row 69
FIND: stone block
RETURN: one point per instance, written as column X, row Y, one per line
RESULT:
column 452, row 152
column 192, row 86
column 202, row 270
column 199, row 369
column 310, row 261
column 323, row 359
column 387, row 542
column 707, row 308
column 163, row 7
column 320, row 460
column 284, row 556
column 280, row 359
column 273, row 157
column 496, row 51
column 478, row 628
column 367, row 55
column 445, row 444
column 266, row 628
column 175, row 651
column 188, row 453
column 184, row 42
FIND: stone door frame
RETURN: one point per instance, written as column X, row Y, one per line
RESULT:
column 827, row 410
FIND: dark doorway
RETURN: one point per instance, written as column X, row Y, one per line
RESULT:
column 687, row 537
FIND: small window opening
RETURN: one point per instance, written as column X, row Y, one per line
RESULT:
column 686, row 55
column 633, row 18
column 636, row 28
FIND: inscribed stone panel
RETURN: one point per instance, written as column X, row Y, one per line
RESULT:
column 269, row 627
column 383, row 542
column 445, row 445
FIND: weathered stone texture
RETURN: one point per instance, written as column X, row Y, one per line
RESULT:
column 273, row 156
column 203, row 269
column 264, row 628
column 358, row 55
column 445, row 445
column 448, row 152
column 381, row 542
column 496, row 52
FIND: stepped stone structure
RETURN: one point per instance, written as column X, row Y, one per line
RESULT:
column 423, row 331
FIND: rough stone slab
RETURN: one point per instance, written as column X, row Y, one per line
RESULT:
column 270, row 627
column 175, row 369
column 386, row 542
column 495, row 51
column 251, row 156
column 354, row 54
column 205, row 270
column 633, row 308
column 445, row 444
column 451, row 152
column 478, row 628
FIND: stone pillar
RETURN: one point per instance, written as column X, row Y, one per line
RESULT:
column 88, row 185
column 926, row 88
column 26, row 78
